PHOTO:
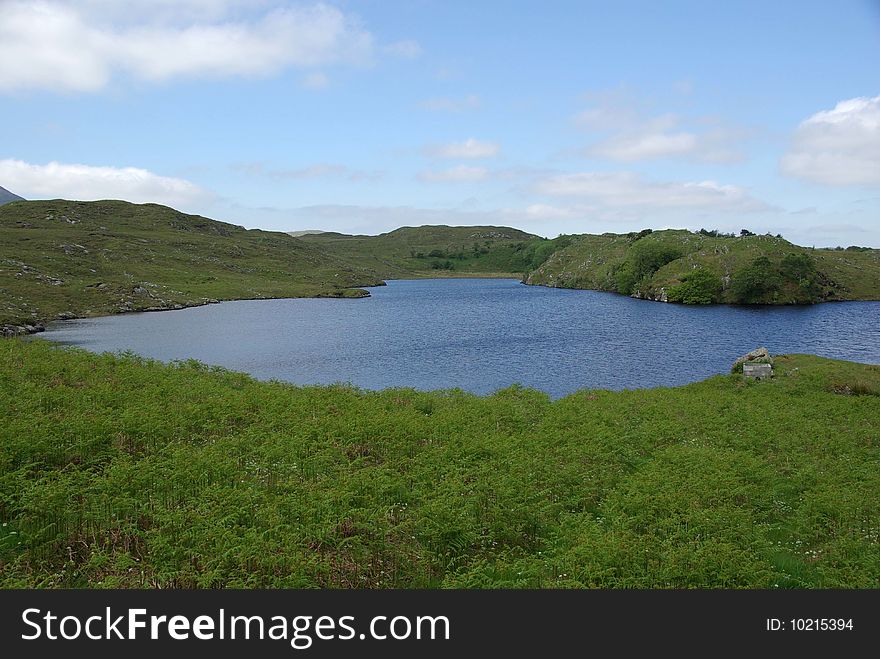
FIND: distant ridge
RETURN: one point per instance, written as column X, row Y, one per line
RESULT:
column 6, row 196
column 307, row 232
column 439, row 250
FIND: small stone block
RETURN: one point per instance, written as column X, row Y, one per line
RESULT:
column 758, row 371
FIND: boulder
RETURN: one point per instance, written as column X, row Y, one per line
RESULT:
column 761, row 355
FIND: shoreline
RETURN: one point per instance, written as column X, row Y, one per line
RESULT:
column 357, row 292
column 12, row 330
column 16, row 329
column 778, row 359
column 713, row 304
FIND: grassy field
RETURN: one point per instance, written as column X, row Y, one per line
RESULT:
column 67, row 259
column 653, row 264
column 117, row 471
column 441, row 251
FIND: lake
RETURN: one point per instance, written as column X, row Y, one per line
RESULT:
column 480, row 335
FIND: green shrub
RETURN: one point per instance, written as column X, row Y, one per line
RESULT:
column 701, row 286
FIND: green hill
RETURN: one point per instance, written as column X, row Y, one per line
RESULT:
column 69, row 259
column 700, row 268
column 439, row 251
column 122, row 472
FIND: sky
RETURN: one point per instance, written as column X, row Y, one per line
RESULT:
column 361, row 116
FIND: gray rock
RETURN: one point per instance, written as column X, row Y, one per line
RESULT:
column 9, row 331
column 761, row 355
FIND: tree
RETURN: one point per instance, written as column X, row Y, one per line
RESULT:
column 756, row 283
column 800, row 270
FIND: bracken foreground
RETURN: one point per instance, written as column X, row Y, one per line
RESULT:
column 117, row 471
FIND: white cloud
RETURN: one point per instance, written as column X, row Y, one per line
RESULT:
column 316, row 80
column 318, row 170
column 629, row 135
column 157, row 11
column 448, row 104
column 684, row 87
column 610, row 114
column 630, row 148
column 455, row 174
column 548, row 212
column 42, row 45
column 627, row 189
column 61, row 46
column 470, row 149
column 312, row 171
column 839, row 146
column 407, row 49
column 89, row 183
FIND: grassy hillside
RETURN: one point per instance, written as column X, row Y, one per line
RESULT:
column 682, row 266
column 440, row 251
column 65, row 259
column 116, row 471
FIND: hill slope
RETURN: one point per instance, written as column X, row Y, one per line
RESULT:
column 6, row 196
column 67, row 259
column 682, row 266
column 439, row 250
column 120, row 472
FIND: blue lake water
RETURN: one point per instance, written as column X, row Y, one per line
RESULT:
column 481, row 335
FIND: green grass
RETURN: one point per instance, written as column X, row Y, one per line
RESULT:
column 118, row 471
column 64, row 258
column 595, row 262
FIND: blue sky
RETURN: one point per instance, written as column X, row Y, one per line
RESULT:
column 362, row 116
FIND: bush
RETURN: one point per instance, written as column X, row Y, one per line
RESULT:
column 701, row 286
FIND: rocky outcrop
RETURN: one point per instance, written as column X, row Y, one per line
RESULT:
column 9, row 331
column 658, row 295
column 759, row 356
